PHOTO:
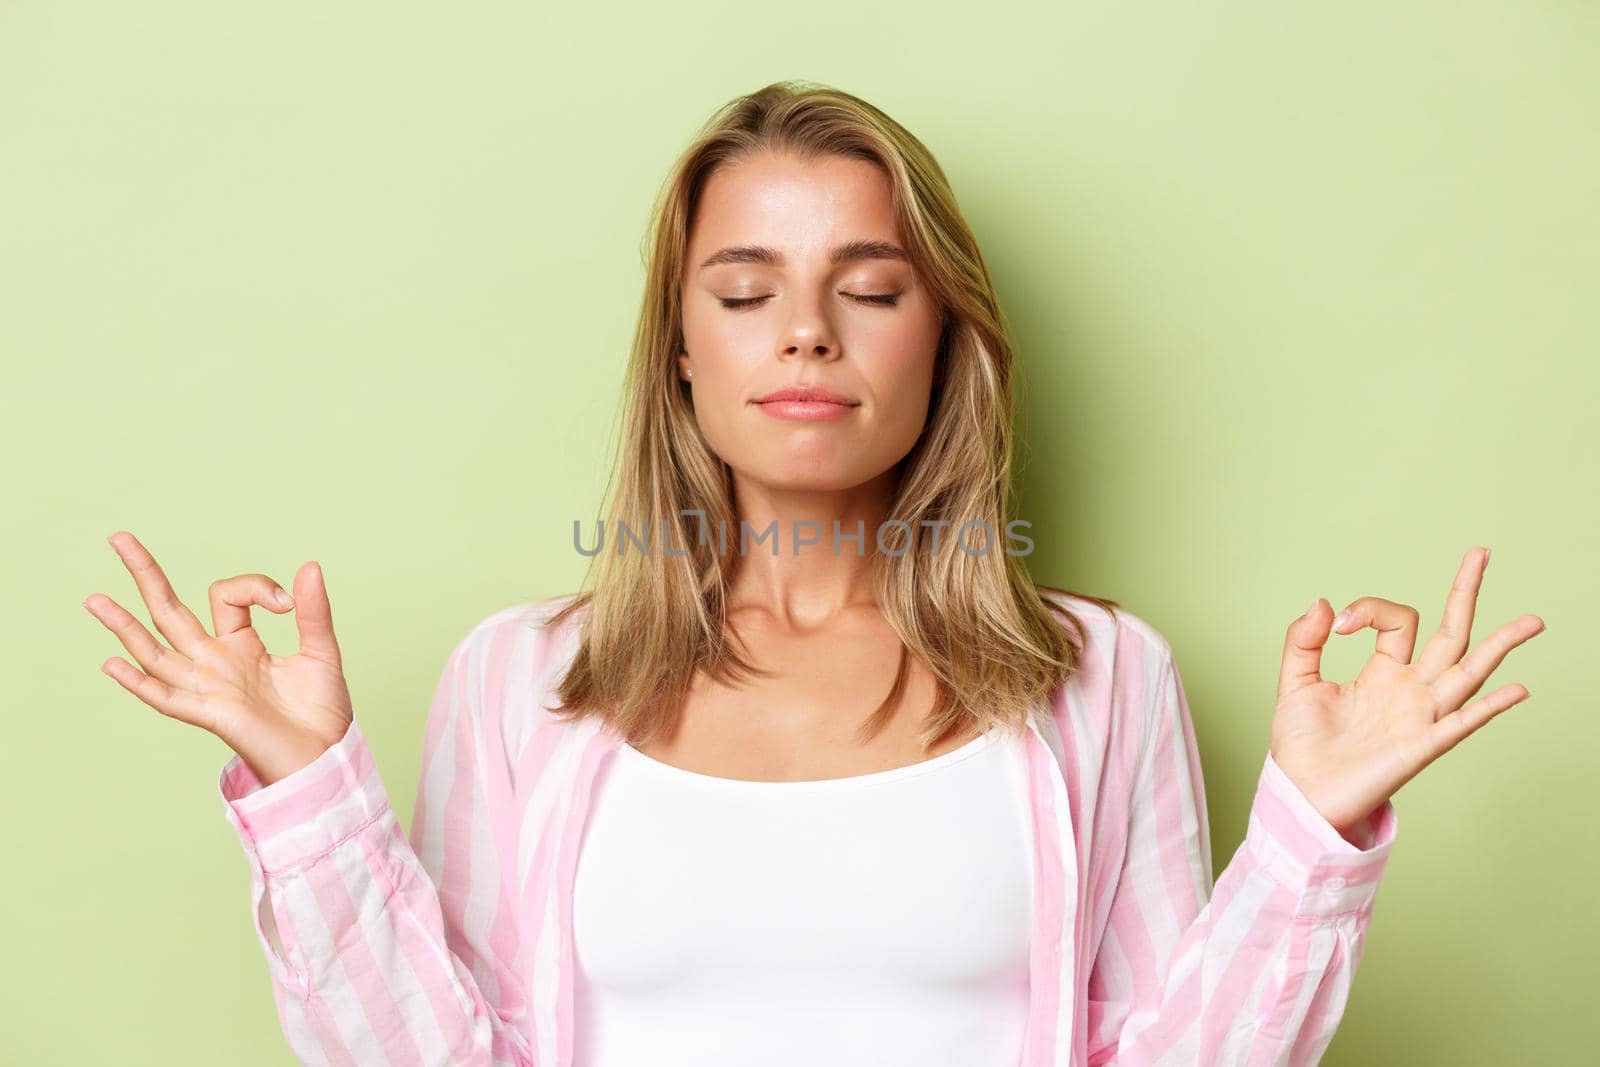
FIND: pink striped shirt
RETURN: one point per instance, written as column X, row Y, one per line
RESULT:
column 453, row 945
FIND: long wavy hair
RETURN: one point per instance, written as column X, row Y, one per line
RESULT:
column 994, row 645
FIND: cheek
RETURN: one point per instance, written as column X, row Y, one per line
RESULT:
column 906, row 411
column 903, row 371
column 906, row 343
column 720, row 340
column 722, row 372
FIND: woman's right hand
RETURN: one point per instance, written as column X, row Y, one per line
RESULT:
column 278, row 713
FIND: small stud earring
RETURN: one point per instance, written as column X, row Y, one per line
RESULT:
column 690, row 372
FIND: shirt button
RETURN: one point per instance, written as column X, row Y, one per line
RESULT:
column 1334, row 883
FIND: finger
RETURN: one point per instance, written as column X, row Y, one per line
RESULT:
column 154, row 657
column 1302, row 650
column 174, row 703
column 231, row 599
column 1448, row 731
column 175, row 621
column 314, row 616
column 1448, row 643
column 1396, row 624
column 1454, row 686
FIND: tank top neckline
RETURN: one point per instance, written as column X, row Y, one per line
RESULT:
column 809, row 785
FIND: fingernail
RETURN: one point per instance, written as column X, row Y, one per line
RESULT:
column 1312, row 610
column 284, row 598
column 1340, row 619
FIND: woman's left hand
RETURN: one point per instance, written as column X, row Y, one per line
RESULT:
column 1350, row 747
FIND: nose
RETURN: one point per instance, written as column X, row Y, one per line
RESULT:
column 809, row 332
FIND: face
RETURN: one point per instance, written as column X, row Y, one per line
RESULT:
column 796, row 276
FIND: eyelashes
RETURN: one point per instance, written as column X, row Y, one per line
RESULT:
column 877, row 300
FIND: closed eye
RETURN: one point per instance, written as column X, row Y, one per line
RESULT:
column 878, row 299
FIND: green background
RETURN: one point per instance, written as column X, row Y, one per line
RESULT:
column 1304, row 297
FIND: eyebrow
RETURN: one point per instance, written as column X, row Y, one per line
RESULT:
column 850, row 250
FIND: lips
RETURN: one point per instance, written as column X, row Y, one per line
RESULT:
column 814, row 394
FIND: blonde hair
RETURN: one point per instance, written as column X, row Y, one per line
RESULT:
column 978, row 622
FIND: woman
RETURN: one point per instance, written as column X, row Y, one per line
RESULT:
column 757, row 798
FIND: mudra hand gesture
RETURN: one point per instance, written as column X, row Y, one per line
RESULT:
column 1350, row 747
column 277, row 712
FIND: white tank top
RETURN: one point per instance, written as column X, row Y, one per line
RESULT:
column 878, row 919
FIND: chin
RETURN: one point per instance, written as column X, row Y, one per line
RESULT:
column 804, row 478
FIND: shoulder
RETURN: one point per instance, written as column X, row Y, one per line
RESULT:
column 510, row 663
column 529, row 624
column 1106, row 708
column 1110, row 633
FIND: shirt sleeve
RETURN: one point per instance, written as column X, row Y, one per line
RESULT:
column 383, row 948
column 1254, row 970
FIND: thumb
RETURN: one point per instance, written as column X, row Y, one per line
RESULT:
column 1302, row 649
column 313, row 615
